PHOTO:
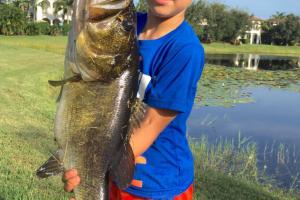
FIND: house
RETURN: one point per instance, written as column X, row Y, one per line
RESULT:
column 255, row 31
column 253, row 34
column 45, row 12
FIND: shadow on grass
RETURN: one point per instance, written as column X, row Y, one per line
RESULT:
column 213, row 185
column 37, row 137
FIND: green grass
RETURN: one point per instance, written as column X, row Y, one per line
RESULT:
column 51, row 44
column 227, row 170
column 27, row 107
column 226, row 48
column 57, row 45
column 214, row 185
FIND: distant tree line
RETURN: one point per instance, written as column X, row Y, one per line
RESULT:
column 282, row 29
column 218, row 22
column 18, row 18
column 213, row 21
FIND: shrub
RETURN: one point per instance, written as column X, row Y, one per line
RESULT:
column 55, row 30
column 37, row 28
column 44, row 28
column 65, row 28
column 12, row 20
column 32, row 29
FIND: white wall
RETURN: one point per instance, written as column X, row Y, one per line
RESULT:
column 49, row 14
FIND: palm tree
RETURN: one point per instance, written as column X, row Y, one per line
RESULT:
column 23, row 4
column 65, row 6
column 32, row 9
column 44, row 4
column 279, row 17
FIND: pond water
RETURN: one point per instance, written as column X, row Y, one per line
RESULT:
column 254, row 61
column 261, row 104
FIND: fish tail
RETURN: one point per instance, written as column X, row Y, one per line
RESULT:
column 51, row 167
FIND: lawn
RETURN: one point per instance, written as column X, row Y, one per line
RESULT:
column 226, row 48
column 57, row 45
column 27, row 107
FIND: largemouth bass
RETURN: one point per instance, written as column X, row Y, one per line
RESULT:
column 97, row 108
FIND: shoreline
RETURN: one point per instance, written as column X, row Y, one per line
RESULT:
column 225, row 48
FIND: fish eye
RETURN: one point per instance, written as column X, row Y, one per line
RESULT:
column 127, row 25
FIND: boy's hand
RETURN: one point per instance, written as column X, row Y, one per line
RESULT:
column 71, row 180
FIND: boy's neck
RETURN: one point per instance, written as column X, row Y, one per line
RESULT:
column 156, row 27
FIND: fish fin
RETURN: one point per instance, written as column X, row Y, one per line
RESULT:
column 74, row 78
column 138, row 110
column 53, row 166
column 122, row 167
column 56, row 83
column 60, row 94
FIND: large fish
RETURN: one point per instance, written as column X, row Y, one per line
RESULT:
column 97, row 108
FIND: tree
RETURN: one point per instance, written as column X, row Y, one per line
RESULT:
column 279, row 16
column 44, row 4
column 12, row 20
column 237, row 23
column 24, row 5
column 216, row 22
column 195, row 16
column 282, row 29
column 65, row 6
column 33, row 7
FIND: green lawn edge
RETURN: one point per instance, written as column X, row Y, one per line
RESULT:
column 57, row 44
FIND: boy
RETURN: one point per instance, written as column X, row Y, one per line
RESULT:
column 172, row 61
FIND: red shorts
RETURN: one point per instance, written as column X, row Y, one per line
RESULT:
column 116, row 194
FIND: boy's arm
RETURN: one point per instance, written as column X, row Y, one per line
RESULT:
column 154, row 122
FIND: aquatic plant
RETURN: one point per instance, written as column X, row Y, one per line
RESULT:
column 223, row 86
column 239, row 158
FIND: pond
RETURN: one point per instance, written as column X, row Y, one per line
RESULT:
column 261, row 104
column 254, row 61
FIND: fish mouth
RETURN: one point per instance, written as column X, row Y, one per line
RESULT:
column 99, row 10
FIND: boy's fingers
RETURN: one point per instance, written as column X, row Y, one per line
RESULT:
column 72, row 183
column 72, row 199
column 69, row 174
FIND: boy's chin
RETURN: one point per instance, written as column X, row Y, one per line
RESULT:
column 163, row 12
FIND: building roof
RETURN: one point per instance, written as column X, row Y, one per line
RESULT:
column 254, row 18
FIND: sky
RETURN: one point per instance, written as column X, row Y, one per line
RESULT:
column 265, row 8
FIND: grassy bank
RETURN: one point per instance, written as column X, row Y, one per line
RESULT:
column 57, row 45
column 225, row 48
column 213, row 185
column 228, row 170
column 27, row 107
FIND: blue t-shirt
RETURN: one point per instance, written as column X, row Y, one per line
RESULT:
column 170, row 69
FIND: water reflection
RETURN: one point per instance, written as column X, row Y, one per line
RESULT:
column 272, row 120
column 254, row 62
